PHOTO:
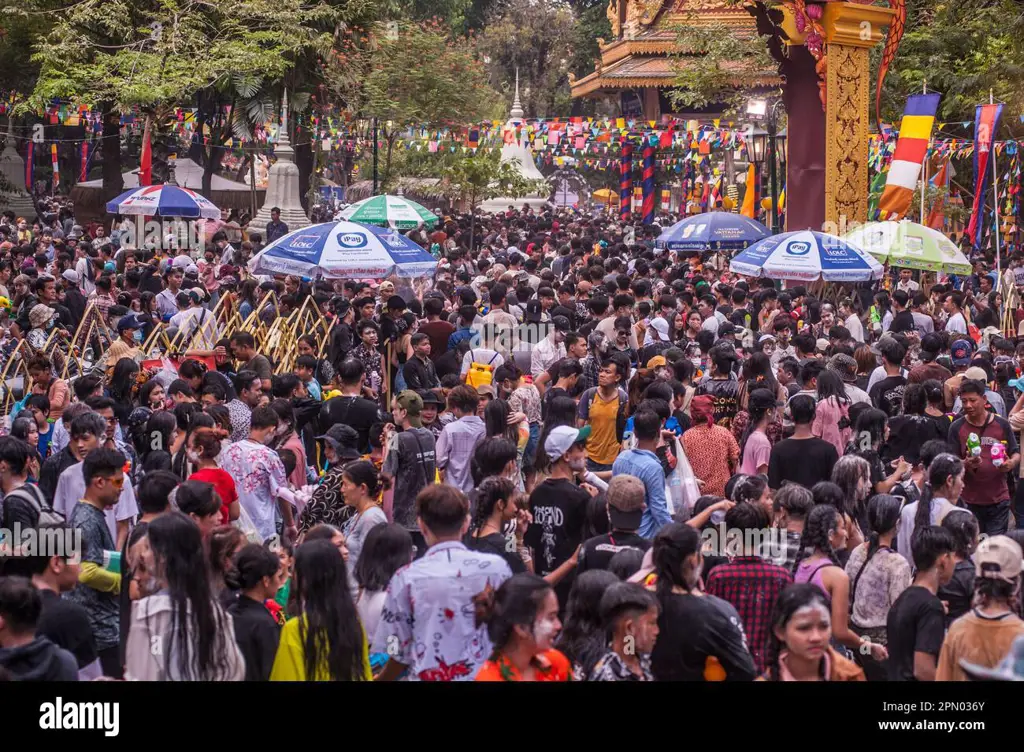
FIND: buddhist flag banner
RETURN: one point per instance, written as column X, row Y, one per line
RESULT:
column 647, row 183
column 146, row 158
column 986, row 119
column 56, row 167
column 625, row 179
column 911, row 146
column 750, row 194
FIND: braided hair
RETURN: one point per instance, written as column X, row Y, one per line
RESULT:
column 790, row 600
column 822, row 520
column 883, row 516
column 486, row 496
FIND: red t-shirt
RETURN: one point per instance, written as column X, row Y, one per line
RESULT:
column 223, row 484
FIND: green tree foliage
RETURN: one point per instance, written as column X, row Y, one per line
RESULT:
column 962, row 49
column 412, row 75
column 484, row 176
column 538, row 39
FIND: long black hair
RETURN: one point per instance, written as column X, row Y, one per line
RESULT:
column 790, row 600
column 757, row 414
column 964, row 527
column 672, row 545
column 329, row 630
column 822, row 520
column 883, row 517
column 830, row 385
column 386, row 549
column 758, row 371
column 514, row 604
column 199, row 634
column 486, row 496
column 122, row 380
column 941, row 469
column 583, row 639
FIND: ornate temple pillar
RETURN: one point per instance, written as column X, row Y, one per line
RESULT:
column 851, row 30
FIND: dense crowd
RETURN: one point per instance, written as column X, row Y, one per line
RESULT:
column 566, row 455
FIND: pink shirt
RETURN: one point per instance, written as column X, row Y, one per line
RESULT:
column 826, row 423
column 755, row 453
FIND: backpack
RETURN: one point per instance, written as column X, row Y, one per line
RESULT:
column 480, row 373
column 48, row 516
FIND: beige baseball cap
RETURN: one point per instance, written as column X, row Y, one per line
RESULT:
column 998, row 558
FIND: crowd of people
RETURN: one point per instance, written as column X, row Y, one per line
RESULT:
column 565, row 456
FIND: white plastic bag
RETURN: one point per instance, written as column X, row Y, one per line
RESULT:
column 681, row 489
column 245, row 524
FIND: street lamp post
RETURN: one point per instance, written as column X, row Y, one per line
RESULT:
column 755, row 153
column 374, row 156
column 759, row 109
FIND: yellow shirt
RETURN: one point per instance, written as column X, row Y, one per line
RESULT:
column 603, row 444
column 290, row 663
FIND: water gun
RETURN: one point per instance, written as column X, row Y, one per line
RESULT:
column 973, row 445
column 998, row 455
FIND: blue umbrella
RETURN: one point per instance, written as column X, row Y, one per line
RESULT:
column 343, row 250
column 807, row 256
column 164, row 201
column 712, row 231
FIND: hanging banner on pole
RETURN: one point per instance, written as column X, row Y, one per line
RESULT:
column 625, row 179
column 985, row 121
column 85, row 162
column 56, row 167
column 911, row 147
column 146, row 158
column 647, row 206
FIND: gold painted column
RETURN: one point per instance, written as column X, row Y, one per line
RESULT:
column 851, row 30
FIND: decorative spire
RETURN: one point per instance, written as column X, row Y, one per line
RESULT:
column 517, row 106
column 283, row 147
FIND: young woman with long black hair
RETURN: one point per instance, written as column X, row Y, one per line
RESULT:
column 200, row 502
column 522, row 622
column 387, row 549
column 959, row 591
column 870, row 431
column 700, row 636
column 852, row 475
column 122, row 388
column 799, row 648
column 257, row 575
column 878, row 574
column 755, row 446
column 325, row 642
column 824, row 535
column 938, row 498
column 195, row 635
column 582, row 639
column 832, row 418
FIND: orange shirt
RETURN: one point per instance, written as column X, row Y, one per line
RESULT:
column 603, row 445
column 550, row 665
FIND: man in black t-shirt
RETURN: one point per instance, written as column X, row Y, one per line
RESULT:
column 887, row 394
column 916, row 623
column 350, row 408
column 626, row 495
column 803, row 458
column 559, row 507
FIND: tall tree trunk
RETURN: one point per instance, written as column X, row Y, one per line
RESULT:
column 113, row 183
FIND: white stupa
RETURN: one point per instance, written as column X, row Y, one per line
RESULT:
column 520, row 153
column 12, row 166
column 283, row 182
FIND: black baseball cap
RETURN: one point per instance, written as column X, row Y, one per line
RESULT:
column 533, row 311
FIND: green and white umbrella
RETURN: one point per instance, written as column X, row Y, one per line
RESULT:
column 396, row 212
column 911, row 245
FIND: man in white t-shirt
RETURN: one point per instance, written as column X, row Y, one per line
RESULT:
column 954, row 307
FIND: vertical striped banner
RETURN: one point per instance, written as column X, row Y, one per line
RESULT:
column 56, row 167
column 911, row 147
column 985, row 121
column 647, row 210
column 85, row 162
column 666, row 200
column 626, row 180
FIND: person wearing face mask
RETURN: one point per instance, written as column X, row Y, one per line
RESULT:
column 522, row 622
column 558, row 506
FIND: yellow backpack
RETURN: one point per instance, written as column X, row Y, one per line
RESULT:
column 480, row 373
